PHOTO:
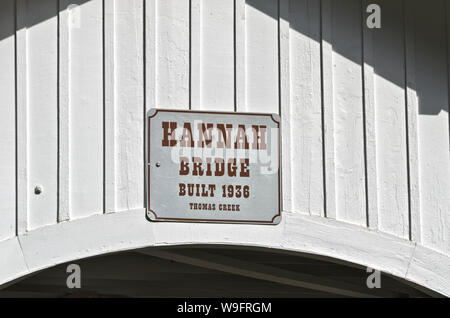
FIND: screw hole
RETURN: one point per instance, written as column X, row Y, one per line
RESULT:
column 37, row 190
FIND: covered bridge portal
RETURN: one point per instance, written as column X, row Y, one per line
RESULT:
column 364, row 128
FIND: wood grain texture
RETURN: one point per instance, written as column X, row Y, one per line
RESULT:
column 286, row 107
column 370, row 111
column 110, row 101
column 172, row 54
column 21, row 118
column 64, row 23
column 412, row 110
column 391, row 154
column 348, row 112
column 306, row 108
column 129, row 104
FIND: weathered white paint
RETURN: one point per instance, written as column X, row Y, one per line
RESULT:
column 348, row 112
column 128, row 103
column 433, row 125
column 305, row 115
column 7, row 122
column 365, row 142
column 328, row 112
column 412, row 130
column 370, row 123
column 389, row 102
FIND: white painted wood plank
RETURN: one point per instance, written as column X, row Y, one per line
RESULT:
column 21, row 120
column 328, row 112
column 286, row 107
column 370, row 121
column 348, row 102
column 217, row 55
column 150, row 53
column 412, row 110
column 109, row 62
column 195, row 54
column 391, row 148
column 12, row 262
column 261, row 19
column 433, row 125
column 306, row 108
column 42, row 85
column 86, row 108
column 240, row 55
column 7, row 121
column 63, row 110
column 129, row 103
column 172, row 54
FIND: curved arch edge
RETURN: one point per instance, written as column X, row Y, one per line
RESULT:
column 77, row 239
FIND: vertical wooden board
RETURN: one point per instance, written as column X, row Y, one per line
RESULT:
column 370, row 122
column 7, row 121
column 150, row 53
column 217, row 55
column 63, row 114
column 172, row 54
column 412, row 110
column 328, row 112
column 42, row 79
column 285, row 102
column 239, row 54
column 306, row 107
column 262, row 84
column 348, row 106
column 21, row 117
column 433, row 125
column 109, row 60
column 195, row 56
column 389, row 66
column 86, row 108
column 129, row 104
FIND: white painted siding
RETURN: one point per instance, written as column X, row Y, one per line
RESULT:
column 365, row 112
column 7, row 122
column 42, row 113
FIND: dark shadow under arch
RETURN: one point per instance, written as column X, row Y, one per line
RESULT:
column 220, row 271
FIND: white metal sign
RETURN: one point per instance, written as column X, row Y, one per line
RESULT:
column 213, row 167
